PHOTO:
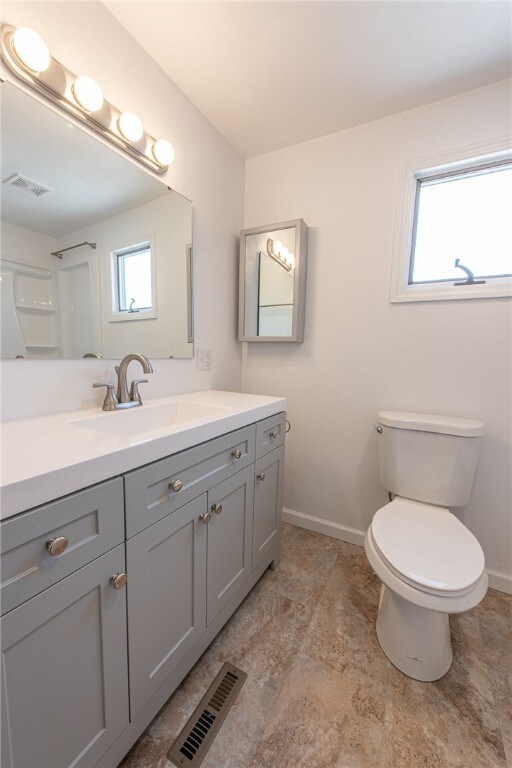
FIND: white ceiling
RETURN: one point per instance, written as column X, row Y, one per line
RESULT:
column 272, row 74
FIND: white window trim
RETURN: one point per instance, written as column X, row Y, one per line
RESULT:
column 453, row 159
column 113, row 314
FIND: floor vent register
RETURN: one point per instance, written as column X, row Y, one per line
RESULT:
column 202, row 727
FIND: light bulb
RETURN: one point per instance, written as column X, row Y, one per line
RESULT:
column 284, row 254
column 88, row 93
column 130, row 126
column 277, row 247
column 292, row 261
column 163, row 152
column 31, row 49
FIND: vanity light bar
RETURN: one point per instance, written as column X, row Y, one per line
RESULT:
column 25, row 54
column 280, row 254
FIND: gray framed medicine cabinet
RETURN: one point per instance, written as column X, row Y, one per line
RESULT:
column 96, row 251
column 273, row 264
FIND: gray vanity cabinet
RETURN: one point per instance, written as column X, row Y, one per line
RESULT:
column 268, row 503
column 64, row 680
column 166, row 564
column 229, row 555
column 87, row 664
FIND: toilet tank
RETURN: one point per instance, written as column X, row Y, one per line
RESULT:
column 428, row 458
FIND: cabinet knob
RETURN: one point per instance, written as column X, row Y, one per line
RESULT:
column 261, row 476
column 237, row 454
column 57, row 545
column 217, row 508
column 176, row 486
column 118, row 580
column 273, row 435
column 205, row 518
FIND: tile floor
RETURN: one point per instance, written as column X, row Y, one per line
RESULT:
column 321, row 693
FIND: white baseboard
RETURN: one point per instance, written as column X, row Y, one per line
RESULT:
column 500, row 581
column 334, row 530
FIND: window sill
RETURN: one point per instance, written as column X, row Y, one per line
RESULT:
column 130, row 316
column 450, row 292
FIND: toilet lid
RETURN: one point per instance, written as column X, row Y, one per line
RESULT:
column 428, row 546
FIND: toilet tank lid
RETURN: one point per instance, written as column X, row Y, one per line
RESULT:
column 426, row 422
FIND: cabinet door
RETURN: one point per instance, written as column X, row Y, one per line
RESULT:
column 229, row 539
column 64, row 670
column 268, row 503
column 166, row 566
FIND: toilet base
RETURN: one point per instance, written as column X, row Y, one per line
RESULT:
column 416, row 640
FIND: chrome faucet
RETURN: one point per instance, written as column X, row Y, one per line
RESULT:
column 125, row 399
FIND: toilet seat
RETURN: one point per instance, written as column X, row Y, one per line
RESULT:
column 427, row 547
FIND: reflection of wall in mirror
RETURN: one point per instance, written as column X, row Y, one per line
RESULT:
column 253, row 245
column 275, row 304
column 169, row 221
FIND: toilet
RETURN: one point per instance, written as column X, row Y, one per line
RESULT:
column 429, row 563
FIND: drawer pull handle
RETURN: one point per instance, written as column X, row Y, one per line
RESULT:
column 57, row 546
column 237, row 454
column 118, row 580
column 261, row 476
column 205, row 518
column 176, row 486
column 273, row 435
column 217, row 508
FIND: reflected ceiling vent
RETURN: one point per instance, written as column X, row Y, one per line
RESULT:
column 24, row 184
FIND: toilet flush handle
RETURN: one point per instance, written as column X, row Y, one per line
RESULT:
column 378, row 428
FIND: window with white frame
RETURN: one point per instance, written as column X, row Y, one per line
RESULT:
column 133, row 282
column 456, row 241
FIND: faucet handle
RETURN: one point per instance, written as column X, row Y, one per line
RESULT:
column 134, row 390
column 110, row 401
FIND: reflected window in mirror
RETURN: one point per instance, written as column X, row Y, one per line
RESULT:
column 273, row 282
column 133, row 283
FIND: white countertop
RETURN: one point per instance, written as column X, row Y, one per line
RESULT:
column 50, row 456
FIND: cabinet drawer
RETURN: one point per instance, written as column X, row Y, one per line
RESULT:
column 91, row 520
column 148, row 491
column 270, row 434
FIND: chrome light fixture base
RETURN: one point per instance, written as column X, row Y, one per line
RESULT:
column 56, row 85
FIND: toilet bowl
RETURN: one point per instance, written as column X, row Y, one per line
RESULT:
column 429, row 563
column 430, row 566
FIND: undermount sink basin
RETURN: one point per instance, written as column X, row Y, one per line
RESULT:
column 147, row 418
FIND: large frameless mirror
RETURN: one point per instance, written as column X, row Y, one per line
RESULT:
column 273, row 282
column 96, row 252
